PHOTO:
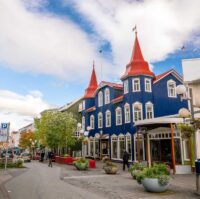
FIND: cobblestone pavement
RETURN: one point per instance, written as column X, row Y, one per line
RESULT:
column 123, row 186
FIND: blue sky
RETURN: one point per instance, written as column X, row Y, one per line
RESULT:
column 47, row 47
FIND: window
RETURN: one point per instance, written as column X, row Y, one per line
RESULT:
column 186, row 149
column 83, row 105
column 118, row 116
column 126, row 86
column 171, row 87
column 100, row 99
column 128, row 145
column 136, row 84
column 108, row 119
column 147, row 85
column 149, row 110
column 92, row 121
column 137, row 111
column 91, row 147
column 83, row 123
column 121, row 146
column 107, row 96
column 139, row 147
column 127, row 113
column 100, row 120
column 114, row 140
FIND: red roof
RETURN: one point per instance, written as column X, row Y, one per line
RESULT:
column 118, row 99
column 137, row 65
column 114, row 85
column 92, row 85
column 93, row 108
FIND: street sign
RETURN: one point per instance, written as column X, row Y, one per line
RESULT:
column 4, row 132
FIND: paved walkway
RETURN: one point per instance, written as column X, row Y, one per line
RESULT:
column 64, row 182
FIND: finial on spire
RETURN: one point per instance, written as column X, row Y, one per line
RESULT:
column 135, row 29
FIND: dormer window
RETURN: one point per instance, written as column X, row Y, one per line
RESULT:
column 127, row 113
column 92, row 121
column 107, row 96
column 118, row 116
column 137, row 111
column 108, row 118
column 100, row 120
column 136, row 84
column 100, row 99
column 126, row 86
column 147, row 85
column 171, row 88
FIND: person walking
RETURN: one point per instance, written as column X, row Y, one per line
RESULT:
column 50, row 156
column 125, row 159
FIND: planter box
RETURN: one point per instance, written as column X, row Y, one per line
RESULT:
column 68, row 160
column 152, row 185
column 110, row 169
column 57, row 159
column 92, row 164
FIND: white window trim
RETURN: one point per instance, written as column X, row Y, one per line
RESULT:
column 107, row 93
column 125, row 106
column 137, row 103
column 122, row 137
column 116, row 140
column 146, row 105
column 145, row 80
column 184, row 150
column 128, row 136
column 83, row 123
column 107, row 118
column 92, row 116
column 134, row 83
column 127, row 86
column 117, row 109
column 98, row 120
column 168, row 93
column 100, row 99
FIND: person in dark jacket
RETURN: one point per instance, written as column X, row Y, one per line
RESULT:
column 125, row 159
column 50, row 156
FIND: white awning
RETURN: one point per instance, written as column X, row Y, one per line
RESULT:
column 159, row 120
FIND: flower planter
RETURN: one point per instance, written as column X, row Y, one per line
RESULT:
column 57, row 159
column 68, row 160
column 81, row 166
column 92, row 164
column 110, row 169
column 152, row 185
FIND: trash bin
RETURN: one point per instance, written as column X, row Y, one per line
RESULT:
column 197, row 166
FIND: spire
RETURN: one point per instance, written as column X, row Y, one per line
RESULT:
column 92, row 85
column 137, row 65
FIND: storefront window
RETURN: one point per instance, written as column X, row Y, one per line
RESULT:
column 128, row 145
column 139, row 146
column 114, row 147
column 177, row 150
column 186, row 150
column 121, row 147
column 96, row 148
column 91, row 147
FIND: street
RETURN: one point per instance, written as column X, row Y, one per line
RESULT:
column 64, row 182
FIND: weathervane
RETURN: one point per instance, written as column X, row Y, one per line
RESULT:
column 135, row 29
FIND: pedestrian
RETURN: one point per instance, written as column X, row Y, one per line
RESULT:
column 125, row 159
column 50, row 156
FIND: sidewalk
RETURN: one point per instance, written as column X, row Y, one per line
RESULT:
column 123, row 186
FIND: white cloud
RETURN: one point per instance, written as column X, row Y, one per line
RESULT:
column 20, row 109
column 163, row 26
column 40, row 42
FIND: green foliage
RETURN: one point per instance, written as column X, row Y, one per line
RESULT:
column 81, row 164
column 186, row 130
column 55, row 129
column 77, row 146
column 17, row 164
column 136, row 166
column 160, row 171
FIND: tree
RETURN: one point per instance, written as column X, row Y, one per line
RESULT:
column 55, row 129
column 26, row 139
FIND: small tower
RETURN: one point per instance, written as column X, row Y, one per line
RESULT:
column 137, row 81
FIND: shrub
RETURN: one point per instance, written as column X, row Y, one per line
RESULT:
column 136, row 166
column 81, row 164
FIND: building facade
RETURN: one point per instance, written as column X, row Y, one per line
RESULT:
column 110, row 110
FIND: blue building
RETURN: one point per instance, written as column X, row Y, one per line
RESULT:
column 110, row 110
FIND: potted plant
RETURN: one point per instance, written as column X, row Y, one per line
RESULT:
column 186, row 130
column 81, row 164
column 155, row 178
column 135, row 169
column 110, row 167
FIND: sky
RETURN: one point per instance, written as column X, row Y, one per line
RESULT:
column 47, row 47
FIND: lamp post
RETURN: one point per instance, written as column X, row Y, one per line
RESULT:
column 182, row 91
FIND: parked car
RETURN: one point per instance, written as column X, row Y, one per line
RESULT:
column 9, row 154
column 26, row 157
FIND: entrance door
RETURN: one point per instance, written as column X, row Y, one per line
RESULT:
column 104, row 148
column 161, row 151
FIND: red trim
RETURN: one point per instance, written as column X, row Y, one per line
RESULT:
column 114, row 85
column 118, row 99
column 93, row 108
